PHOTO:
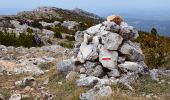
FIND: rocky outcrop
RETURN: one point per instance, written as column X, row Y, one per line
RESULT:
column 96, row 93
column 71, row 25
column 27, row 81
column 22, row 60
column 65, row 66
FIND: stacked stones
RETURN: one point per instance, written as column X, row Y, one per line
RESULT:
column 105, row 54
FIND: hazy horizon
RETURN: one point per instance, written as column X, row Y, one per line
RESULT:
column 152, row 9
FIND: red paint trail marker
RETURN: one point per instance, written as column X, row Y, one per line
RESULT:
column 106, row 59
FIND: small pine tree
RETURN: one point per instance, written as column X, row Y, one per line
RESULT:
column 154, row 31
column 36, row 24
column 29, row 30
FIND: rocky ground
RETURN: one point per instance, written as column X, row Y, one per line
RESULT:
column 19, row 67
column 44, row 82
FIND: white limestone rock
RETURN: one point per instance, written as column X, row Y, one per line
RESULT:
column 131, row 66
column 108, row 58
column 15, row 97
column 28, row 69
column 87, row 52
column 110, row 26
column 113, row 73
column 154, row 73
column 94, row 29
column 96, row 93
column 65, row 66
column 132, row 51
column 87, row 81
column 111, row 41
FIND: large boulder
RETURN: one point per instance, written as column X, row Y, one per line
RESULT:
column 97, row 93
column 71, row 25
column 28, row 69
column 87, row 81
column 132, row 51
column 47, row 32
column 94, row 29
column 110, row 26
column 97, row 71
column 111, row 41
column 45, row 24
column 114, row 18
column 92, row 69
column 131, row 66
column 87, row 52
column 3, row 49
column 79, row 36
column 2, row 69
column 154, row 73
column 128, row 79
column 128, row 32
column 15, row 97
column 114, row 73
column 2, row 97
column 108, row 58
column 27, row 81
column 65, row 66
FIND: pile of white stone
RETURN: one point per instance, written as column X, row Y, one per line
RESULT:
column 104, row 55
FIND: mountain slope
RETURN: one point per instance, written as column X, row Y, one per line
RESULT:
column 57, row 13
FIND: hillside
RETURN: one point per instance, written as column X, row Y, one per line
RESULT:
column 156, row 49
column 56, row 14
column 50, row 23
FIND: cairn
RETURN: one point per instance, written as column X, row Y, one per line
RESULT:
column 105, row 54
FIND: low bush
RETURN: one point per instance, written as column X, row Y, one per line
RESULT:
column 10, row 39
column 29, row 30
column 36, row 24
column 70, row 38
column 62, row 29
column 66, row 44
column 156, row 49
column 44, row 66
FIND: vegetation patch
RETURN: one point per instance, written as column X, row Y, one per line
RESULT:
column 10, row 39
column 155, row 48
column 44, row 66
column 6, row 93
column 66, row 44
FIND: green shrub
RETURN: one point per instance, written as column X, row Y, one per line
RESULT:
column 48, row 28
column 26, row 40
column 85, row 25
column 70, row 38
column 66, row 45
column 44, row 66
column 6, row 93
column 58, row 35
column 156, row 49
column 29, row 30
column 154, row 31
column 60, row 29
column 10, row 39
column 36, row 24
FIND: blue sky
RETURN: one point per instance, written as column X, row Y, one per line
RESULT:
column 100, row 7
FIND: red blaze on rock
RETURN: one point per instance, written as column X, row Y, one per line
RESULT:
column 106, row 59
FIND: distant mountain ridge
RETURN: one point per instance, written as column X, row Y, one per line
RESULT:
column 57, row 13
column 163, row 27
column 85, row 13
